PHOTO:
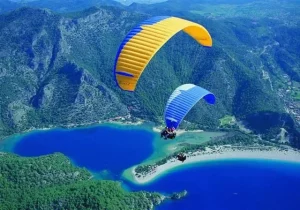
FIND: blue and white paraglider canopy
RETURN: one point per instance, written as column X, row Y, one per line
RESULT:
column 182, row 101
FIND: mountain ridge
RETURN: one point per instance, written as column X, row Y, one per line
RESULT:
column 69, row 83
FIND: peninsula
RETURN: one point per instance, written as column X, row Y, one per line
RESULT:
column 231, row 146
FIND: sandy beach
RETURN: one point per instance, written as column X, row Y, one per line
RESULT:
column 222, row 152
column 123, row 122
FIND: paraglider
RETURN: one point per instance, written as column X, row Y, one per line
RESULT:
column 143, row 41
column 181, row 157
column 168, row 133
column 180, row 103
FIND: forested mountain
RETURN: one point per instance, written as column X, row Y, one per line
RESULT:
column 56, row 69
column 52, row 182
column 55, row 5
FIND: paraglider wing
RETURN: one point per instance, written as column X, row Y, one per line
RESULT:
column 143, row 41
column 182, row 101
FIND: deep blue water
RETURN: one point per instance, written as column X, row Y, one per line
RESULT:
column 215, row 185
column 96, row 148
column 233, row 185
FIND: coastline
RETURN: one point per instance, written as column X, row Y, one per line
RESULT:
column 226, row 152
column 7, row 143
column 122, row 120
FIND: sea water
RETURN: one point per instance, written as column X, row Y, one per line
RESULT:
column 98, row 148
column 232, row 185
column 212, row 185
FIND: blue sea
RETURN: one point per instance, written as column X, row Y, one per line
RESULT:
column 213, row 185
column 98, row 148
column 233, row 185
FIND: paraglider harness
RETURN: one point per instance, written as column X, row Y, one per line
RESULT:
column 167, row 135
column 181, row 157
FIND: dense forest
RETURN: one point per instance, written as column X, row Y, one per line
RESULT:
column 52, row 182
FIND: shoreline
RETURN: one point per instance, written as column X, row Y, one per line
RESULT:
column 220, row 153
column 115, row 121
column 121, row 120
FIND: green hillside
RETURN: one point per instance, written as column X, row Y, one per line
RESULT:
column 56, row 69
column 51, row 182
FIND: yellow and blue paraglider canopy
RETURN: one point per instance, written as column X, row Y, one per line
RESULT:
column 143, row 41
column 182, row 100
